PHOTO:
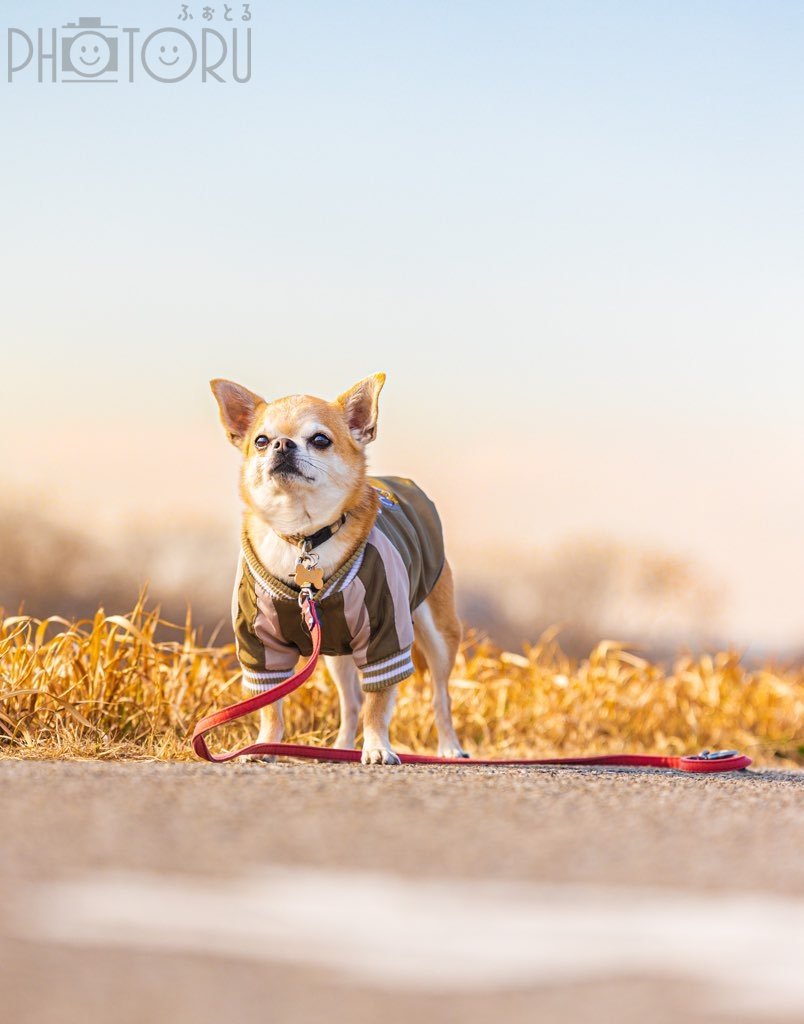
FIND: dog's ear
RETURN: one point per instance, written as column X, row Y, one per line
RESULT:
column 238, row 406
column 360, row 405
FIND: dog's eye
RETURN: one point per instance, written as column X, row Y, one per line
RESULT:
column 320, row 441
column 261, row 442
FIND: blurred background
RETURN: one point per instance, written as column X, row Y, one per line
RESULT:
column 571, row 233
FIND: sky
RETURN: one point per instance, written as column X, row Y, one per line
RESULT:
column 572, row 234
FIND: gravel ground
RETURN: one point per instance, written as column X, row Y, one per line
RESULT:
column 96, row 859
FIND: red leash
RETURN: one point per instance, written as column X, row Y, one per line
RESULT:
column 718, row 761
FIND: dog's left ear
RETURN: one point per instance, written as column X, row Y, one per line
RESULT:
column 361, row 405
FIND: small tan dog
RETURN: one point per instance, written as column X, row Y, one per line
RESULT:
column 371, row 547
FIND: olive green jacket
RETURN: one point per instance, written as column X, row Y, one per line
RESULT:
column 366, row 607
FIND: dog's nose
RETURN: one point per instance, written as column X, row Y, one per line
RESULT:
column 284, row 444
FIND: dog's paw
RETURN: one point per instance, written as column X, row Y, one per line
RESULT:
column 452, row 751
column 379, row 755
column 257, row 758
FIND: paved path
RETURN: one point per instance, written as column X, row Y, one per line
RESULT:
column 146, row 893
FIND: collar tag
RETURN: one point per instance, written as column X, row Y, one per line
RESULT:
column 308, row 576
column 307, row 573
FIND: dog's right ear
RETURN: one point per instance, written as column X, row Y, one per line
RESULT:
column 238, row 406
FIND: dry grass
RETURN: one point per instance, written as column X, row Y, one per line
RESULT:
column 107, row 688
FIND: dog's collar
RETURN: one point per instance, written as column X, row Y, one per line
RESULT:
column 282, row 589
column 314, row 540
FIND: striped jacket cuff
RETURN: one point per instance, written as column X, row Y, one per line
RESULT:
column 258, row 682
column 381, row 674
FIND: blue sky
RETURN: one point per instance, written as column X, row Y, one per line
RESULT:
column 545, row 221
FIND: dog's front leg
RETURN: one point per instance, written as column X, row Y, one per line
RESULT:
column 272, row 729
column 344, row 672
column 377, row 713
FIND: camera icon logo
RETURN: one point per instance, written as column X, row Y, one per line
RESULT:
column 89, row 53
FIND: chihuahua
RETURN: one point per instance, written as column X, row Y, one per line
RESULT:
column 371, row 548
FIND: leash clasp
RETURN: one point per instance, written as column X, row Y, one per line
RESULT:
column 716, row 755
column 309, row 612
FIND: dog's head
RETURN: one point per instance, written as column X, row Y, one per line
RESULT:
column 303, row 457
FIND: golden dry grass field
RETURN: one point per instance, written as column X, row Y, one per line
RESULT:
column 133, row 686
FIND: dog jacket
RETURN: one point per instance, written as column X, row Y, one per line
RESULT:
column 366, row 607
